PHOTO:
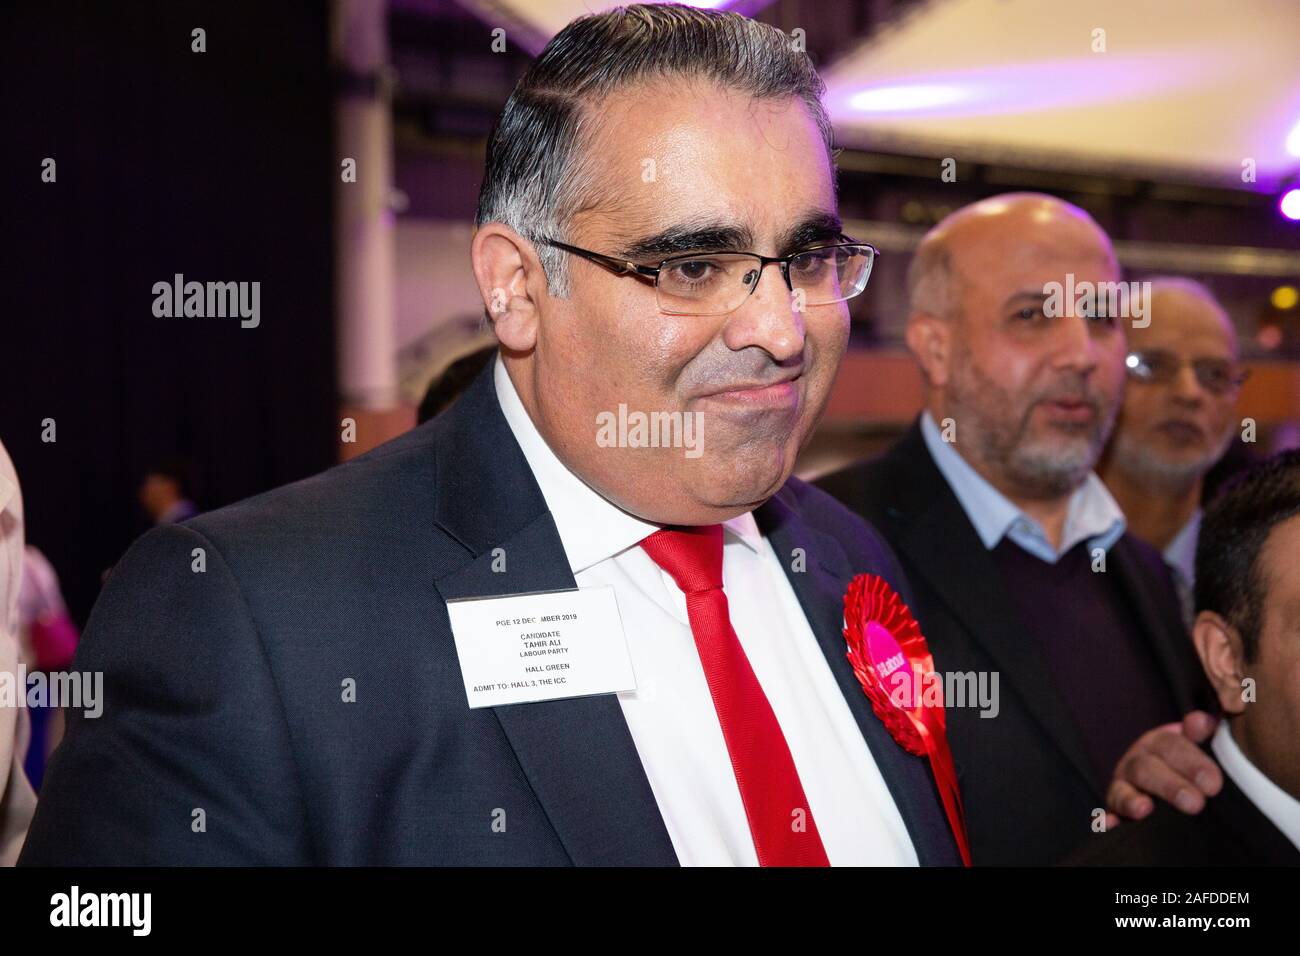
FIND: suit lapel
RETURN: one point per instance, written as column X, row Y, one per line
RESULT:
column 941, row 546
column 578, row 753
column 820, row 588
column 1172, row 645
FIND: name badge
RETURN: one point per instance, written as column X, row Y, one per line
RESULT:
column 532, row 647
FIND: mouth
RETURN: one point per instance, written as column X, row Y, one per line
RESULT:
column 1182, row 432
column 1067, row 409
column 778, row 394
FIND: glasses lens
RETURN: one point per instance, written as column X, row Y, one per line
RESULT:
column 706, row 285
column 1153, row 366
column 1215, row 375
column 720, row 283
column 832, row 274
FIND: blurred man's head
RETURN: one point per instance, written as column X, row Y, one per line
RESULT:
column 642, row 134
column 165, row 485
column 1248, row 621
column 1033, row 396
column 1177, row 418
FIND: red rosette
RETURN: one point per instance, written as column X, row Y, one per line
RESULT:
column 893, row 664
column 871, row 599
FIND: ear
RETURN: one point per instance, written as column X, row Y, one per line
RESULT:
column 1218, row 645
column 510, row 280
column 930, row 340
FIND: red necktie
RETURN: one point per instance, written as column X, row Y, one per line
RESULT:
column 780, row 820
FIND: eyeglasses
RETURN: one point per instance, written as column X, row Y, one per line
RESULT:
column 1160, row 367
column 716, row 283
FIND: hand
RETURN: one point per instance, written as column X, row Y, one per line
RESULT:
column 1166, row 763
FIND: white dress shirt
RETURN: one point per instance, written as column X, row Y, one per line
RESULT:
column 1282, row 809
column 671, row 715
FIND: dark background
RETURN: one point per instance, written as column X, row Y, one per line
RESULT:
column 217, row 165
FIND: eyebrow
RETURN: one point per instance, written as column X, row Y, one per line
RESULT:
column 1036, row 297
column 812, row 229
column 730, row 237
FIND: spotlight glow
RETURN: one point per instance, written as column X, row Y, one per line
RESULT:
column 1293, row 141
column 1290, row 204
column 1285, row 297
column 906, row 98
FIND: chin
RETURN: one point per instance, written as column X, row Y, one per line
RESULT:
column 753, row 487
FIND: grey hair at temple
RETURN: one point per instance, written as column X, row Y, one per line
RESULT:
column 537, row 175
column 933, row 286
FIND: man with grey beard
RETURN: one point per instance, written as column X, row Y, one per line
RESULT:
column 1017, row 553
column 1176, row 422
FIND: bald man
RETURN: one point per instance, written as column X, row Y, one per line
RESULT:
column 1176, row 422
column 1021, row 567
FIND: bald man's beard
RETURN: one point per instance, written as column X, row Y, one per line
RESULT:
column 997, row 426
column 1142, row 463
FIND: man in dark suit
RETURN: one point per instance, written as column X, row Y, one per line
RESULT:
column 1016, row 552
column 1248, row 599
column 283, row 681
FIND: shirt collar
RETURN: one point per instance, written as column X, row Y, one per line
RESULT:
column 591, row 527
column 1282, row 809
column 1092, row 514
column 1180, row 553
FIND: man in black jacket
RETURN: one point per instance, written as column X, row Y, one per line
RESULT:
column 1016, row 552
column 336, row 672
column 1248, row 598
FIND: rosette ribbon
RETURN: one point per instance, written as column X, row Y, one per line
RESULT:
column 893, row 664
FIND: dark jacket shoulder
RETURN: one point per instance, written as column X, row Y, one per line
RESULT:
column 1229, row 831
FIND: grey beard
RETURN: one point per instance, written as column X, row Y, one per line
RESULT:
column 1038, row 473
column 1141, row 462
column 1043, row 476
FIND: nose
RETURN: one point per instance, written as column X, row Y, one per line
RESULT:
column 771, row 318
column 1076, row 345
column 1186, row 387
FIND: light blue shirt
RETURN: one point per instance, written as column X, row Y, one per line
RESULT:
column 1180, row 556
column 1180, row 553
column 1093, row 514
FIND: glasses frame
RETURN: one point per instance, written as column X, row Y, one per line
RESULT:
column 1235, row 382
column 650, row 274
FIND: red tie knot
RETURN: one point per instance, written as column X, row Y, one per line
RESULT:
column 691, row 555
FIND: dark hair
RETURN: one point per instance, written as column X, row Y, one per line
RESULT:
column 1233, row 532
column 536, row 177
column 446, row 388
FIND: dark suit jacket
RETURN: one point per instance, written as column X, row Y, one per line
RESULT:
column 1027, row 784
column 1230, row 831
column 224, row 688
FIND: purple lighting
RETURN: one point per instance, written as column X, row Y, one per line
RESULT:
column 1290, row 204
column 1006, row 89
column 907, row 97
